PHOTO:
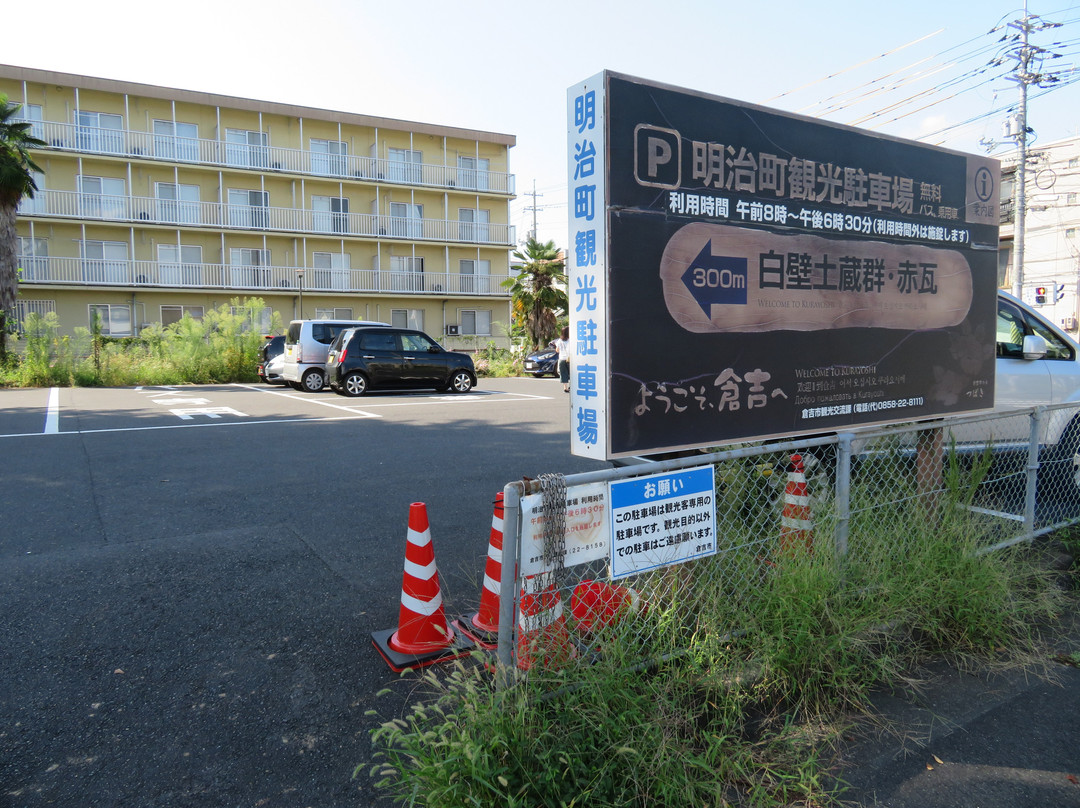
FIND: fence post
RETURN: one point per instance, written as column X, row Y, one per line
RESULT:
column 1032, row 470
column 508, row 589
column 843, row 493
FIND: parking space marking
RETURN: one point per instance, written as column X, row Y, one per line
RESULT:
column 52, row 421
column 52, row 413
column 474, row 397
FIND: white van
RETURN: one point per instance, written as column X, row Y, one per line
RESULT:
column 306, row 345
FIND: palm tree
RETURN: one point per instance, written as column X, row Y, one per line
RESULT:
column 538, row 292
column 16, row 181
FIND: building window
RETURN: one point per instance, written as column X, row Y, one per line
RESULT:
column 32, row 113
column 37, row 204
column 33, row 258
column 175, row 140
column 99, row 132
column 102, row 197
column 333, row 314
column 115, row 318
column 246, row 148
column 104, row 261
column 180, row 264
column 473, row 224
column 329, row 157
column 406, row 273
column 473, row 172
column 475, row 276
column 1070, row 232
column 248, row 208
column 249, row 268
column 1070, row 199
column 330, row 271
column 407, row 318
column 174, row 314
column 406, row 220
column 475, row 321
column 24, row 308
column 257, row 319
column 330, row 214
column 177, row 204
column 405, row 165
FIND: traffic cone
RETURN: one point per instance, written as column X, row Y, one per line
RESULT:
column 483, row 626
column 596, row 605
column 422, row 635
column 542, row 636
column 796, row 522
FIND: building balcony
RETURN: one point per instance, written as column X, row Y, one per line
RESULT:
column 256, row 279
column 224, row 216
column 221, row 154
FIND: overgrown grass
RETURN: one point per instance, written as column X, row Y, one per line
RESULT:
column 727, row 689
column 221, row 347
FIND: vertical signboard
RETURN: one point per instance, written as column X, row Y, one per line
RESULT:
column 586, row 150
column 740, row 273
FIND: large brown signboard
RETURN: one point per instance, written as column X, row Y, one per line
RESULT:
column 740, row 273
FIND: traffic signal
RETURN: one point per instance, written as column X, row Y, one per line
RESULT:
column 1040, row 295
column 1059, row 291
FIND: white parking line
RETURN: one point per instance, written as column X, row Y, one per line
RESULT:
column 52, row 414
column 475, row 397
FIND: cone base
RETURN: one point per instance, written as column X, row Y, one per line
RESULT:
column 398, row 662
column 485, row 638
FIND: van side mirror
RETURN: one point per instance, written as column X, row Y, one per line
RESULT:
column 1034, row 347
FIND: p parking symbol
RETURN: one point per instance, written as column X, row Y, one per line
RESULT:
column 657, row 157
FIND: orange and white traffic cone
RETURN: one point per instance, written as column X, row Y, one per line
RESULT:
column 596, row 605
column 483, row 626
column 422, row 635
column 796, row 521
column 542, row 636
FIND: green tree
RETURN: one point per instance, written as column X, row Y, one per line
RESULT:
column 16, row 181
column 538, row 293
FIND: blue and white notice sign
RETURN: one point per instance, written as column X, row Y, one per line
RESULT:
column 662, row 519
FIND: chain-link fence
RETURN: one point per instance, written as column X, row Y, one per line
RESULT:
column 664, row 546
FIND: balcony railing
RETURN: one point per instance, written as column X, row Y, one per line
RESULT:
column 118, row 272
column 178, row 149
column 225, row 216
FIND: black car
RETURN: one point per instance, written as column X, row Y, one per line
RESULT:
column 368, row 358
column 272, row 347
column 543, row 361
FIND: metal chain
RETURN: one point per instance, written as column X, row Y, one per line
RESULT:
column 553, row 490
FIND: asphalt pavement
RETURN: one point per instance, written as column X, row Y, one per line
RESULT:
column 186, row 613
column 975, row 738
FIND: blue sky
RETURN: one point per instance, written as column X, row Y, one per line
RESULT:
column 505, row 67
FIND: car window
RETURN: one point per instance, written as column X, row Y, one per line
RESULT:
column 1055, row 347
column 1010, row 331
column 320, row 332
column 417, row 342
column 376, row 341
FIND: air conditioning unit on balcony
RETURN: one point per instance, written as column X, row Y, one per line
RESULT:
column 451, row 330
column 1069, row 323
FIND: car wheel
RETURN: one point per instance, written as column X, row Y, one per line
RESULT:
column 263, row 379
column 354, row 385
column 314, row 381
column 460, row 382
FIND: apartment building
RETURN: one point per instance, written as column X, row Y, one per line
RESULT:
column 157, row 202
column 1051, row 279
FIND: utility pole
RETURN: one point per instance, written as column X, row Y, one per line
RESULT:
column 534, row 208
column 1024, row 76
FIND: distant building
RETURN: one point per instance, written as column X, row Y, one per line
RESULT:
column 1051, row 229
column 158, row 202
